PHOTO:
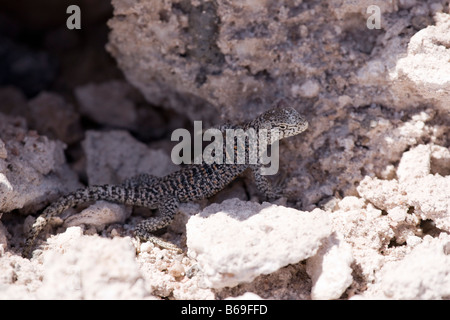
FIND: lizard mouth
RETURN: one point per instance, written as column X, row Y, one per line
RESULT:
column 293, row 130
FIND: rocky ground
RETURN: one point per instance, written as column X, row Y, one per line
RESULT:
column 367, row 207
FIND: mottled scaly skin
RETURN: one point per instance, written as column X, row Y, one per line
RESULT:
column 192, row 183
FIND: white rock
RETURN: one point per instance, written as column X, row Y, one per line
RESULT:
column 429, row 194
column 330, row 269
column 413, row 241
column 99, row 214
column 415, row 163
column 236, row 241
column 384, row 194
column 19, row 277
column 397, row 214
column 430, row 197
column 426, row 67
column 422, row 274
column 246, row 296
column 366, row 230
column 90, row 267
column 34, row 170
column 351, row 203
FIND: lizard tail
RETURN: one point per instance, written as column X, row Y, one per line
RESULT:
column 111, row 193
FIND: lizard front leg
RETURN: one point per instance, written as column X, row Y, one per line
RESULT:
column 264, row 185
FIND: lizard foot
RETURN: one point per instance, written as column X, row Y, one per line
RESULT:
column 162, row 243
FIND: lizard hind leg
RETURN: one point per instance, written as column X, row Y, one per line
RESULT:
column 144, row 229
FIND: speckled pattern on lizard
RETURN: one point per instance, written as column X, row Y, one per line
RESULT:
column 194, row 182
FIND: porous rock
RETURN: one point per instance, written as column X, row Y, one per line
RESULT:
column 99, row 215
column 108, row 103
column 90, row 267
column 330, row 269
column 236, row 241
column 34, row 169
column 52, row 116
column 219, row 59
column 423, row 274
column 425, row 70
column 108, row 157
column 374, row 99
column 428, row 195
column 366, row 230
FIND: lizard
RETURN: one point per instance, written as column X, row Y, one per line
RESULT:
column 191, row 183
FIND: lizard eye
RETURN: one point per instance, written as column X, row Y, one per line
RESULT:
column 282, row 126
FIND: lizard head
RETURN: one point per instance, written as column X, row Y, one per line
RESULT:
column 283, row 118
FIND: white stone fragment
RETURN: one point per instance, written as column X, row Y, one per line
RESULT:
column 415, row 163
column 430, row 196
column 236, row 241
column 90, row 267
column 99, row 214
column 426, row 67
column 422, row 274
column 246, row 296
column 330, row 269
column 35, row 169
